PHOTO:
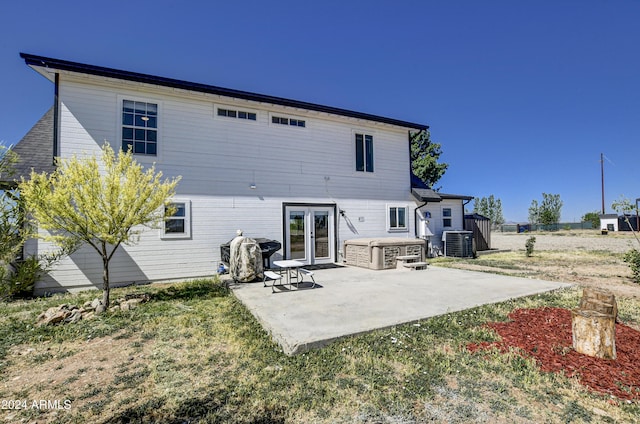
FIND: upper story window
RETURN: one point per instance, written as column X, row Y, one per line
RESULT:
column 140, row 127
column 446, row 217
column 239, row 114
column 364, row 153
column 288, row 121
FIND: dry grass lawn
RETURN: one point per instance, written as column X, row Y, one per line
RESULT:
column 194, row 354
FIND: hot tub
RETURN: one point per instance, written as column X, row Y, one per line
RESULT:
column 381, row 253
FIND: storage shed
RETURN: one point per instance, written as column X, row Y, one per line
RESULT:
column 609, row 222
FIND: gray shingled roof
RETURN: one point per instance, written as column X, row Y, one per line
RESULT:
column 35, row 150
column 429, row 195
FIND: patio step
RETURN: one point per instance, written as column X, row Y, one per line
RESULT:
column 414, row 266
column 402, row 262
column 408, row 258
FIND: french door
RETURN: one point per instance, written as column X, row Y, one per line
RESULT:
column 310, row 233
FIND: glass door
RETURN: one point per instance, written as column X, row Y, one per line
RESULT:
column 309, row 234
column 297, row 245
column 321, row 242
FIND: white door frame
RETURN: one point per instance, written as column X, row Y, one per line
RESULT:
column 307, row 246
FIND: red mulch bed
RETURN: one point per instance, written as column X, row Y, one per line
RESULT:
column 545, row 334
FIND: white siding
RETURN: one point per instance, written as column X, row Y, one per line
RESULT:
column 436, row 221
column 218, row 159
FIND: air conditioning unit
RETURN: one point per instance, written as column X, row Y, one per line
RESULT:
column 458, row 244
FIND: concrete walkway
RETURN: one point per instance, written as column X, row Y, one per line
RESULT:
column 350, row 300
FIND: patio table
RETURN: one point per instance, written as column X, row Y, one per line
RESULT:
column 291, row 266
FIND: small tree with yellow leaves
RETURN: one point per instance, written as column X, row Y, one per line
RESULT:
column 101, row 203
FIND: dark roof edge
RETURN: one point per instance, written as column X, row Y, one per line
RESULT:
column 65, row 65
column 425, row 194
column 429, row 195
column 456, row 196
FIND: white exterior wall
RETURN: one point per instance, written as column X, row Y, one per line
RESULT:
column 605, row 222
column 436, row 222
column 218, row 159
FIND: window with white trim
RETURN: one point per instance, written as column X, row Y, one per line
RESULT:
column 178, row 224
column 364, row 153
column 238, row 114
column 293, row 122
column 446, row 217
column 140, row 127
column 397, row 218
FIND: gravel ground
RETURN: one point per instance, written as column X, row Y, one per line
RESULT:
column 618, row 243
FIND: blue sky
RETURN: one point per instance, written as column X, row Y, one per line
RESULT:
column 523, row 96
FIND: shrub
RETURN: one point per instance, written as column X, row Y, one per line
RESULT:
column 632, row 257
column 18, row 278
column 529, row 245
column 593, row 218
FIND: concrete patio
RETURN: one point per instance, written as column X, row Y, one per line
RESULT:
column 350, row 300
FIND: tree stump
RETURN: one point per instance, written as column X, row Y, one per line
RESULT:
column 600, row 300
column 593, row 324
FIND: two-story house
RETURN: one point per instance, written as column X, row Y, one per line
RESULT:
column 307, row 175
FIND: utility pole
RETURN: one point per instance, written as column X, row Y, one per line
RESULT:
column 637, row 216
column 602, row 178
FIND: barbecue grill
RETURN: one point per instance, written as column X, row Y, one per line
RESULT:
column 268, row 247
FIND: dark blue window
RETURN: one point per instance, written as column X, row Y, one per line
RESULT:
column 140, row 127
column 239, row 114
column 359, row 152
column 364, row 153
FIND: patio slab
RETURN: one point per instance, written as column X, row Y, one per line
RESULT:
column 350, row 300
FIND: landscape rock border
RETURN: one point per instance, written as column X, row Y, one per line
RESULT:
column 69, row 313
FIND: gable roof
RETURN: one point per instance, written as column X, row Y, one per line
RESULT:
column 35, row 149
column 65, row 65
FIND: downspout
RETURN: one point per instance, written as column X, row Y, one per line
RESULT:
column 56, row 115
column 415, row 218
column 463, row 205
column 415, row 211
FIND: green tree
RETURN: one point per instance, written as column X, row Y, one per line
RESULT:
column 424, row 158
column 103, row 204
column 17, row 274
column 490, row 207
column 546, row 212
column 624, row 207
column 8, row 160
column 12, row 234
column 593, row 218
column 550, row 209
column 534, row 212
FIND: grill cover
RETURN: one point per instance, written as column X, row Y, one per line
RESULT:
column 246, row 260
column 268, row 247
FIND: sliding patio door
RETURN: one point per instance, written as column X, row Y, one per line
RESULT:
column 309, row 233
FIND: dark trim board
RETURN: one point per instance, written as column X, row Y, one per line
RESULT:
column 81, row 68
column 309, row 205
column 56, row 114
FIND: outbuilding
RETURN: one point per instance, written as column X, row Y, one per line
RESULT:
column 609, row 222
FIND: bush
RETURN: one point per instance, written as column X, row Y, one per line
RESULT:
column 632, row 257
column 529, row 245
column 18, row 278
